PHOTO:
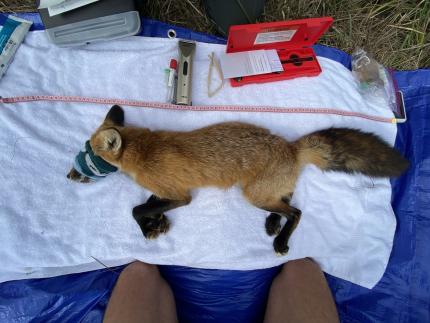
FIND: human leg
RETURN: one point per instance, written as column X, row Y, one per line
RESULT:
column 300, row 294
column 141, row 295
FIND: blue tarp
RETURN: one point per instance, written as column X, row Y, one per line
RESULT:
column 403, row 294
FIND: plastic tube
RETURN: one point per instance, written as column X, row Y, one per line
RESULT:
column 11, row 36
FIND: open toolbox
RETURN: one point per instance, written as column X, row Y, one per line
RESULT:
column 291, row 39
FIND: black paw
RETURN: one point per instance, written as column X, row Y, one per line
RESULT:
column 295, row 212
column 151, row 199
column 280, row 246
column 273, row 224
column 153, row 227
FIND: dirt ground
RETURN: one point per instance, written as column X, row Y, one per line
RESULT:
column 396, row 32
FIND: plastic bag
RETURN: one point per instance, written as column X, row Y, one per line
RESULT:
column 374, row 79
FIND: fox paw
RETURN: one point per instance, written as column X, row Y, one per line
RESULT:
column 152, row 228
column 280, row 246
column 273, row 224
column 296, row 213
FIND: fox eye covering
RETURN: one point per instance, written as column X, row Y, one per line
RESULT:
column 92, row 166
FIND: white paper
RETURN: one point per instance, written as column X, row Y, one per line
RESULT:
column 274, row 61
column 67, row 5
column 275, row 36
column 250, row 63
column 48, row 3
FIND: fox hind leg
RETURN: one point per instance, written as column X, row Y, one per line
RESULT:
column 278, row 206
column 273, row 224
column 283, row 208
column 273, row 221
column 280, row 244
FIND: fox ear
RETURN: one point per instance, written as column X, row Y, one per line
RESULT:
column 115, row 116
column 110, row 140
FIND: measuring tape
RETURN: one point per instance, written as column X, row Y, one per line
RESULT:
column 169, row 106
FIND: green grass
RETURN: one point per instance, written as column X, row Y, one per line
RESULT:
column 396, row 32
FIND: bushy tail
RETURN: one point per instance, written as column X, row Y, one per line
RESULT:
column 350, row 150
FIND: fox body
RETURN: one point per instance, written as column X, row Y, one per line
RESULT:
column 265, row 166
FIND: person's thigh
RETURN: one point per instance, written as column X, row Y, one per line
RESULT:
column 141, row 295
column 300, row 294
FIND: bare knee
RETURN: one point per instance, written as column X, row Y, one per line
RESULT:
column 140, row 271
column 300, row 293
column 298, row 274
column 298, row 266
column 141, row 295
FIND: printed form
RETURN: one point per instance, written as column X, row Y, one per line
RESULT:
column 250, row 63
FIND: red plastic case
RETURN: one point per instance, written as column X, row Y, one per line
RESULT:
column 289, row 38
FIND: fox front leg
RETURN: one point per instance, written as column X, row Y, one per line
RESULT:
column 150, row 222
column 150, row 216
column 152, row 227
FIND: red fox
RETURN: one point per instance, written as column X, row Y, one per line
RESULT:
column 265, row 166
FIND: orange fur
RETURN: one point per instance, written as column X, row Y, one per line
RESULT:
column 171, row 164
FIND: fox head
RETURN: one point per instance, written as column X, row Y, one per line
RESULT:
column 106, row 142
column 102, row 150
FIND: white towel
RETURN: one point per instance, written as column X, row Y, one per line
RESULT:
column 51, row 226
